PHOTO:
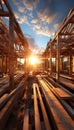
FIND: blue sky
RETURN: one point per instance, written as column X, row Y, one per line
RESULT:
column 40, row 19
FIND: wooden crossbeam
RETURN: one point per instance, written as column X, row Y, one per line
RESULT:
column 16, row 26
column 4, row 13
column 63, row 27
column 66, row 34
column 1, row 5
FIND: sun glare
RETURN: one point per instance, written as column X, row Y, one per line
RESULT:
column 33, row 60
column 21, row 60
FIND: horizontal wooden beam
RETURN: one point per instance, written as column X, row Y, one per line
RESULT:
column 4, row 13
column 66, row 21
column 66, row 34
column 69, row 40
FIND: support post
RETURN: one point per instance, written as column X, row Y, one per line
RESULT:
column 11, row 56
column 2, row 63
column 58, row 59
column 6, row 65
column 70, row 63
column 50, row 59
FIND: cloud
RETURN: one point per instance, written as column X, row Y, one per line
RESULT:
column 33, row 46
column 34, row 21
column 16, row 14
column 23, row 19
column 31, row 15
column 30, row 4
column 44, row 32
column 56, row 26
column 37, row 26
column 21, row 9
column 15, row 3
column 41, row 28
column 46, row 16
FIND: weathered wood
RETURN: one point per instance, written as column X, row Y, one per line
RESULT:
column 67, row 84
column 63, row 94
column 70, row 62
column 46, row 120
column 36, row 111
column 7, row 36
column 3, row 100
column 4, row 13
column 26, row 120
column 11, row 58
column 5, row 112
column 60, row 117
column 63, row 44
column 14, row 96
column 58, row 59
column 51, row 59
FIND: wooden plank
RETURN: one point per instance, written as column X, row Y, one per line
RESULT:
column 36, row 111
column 62, row 93
column 14, row 96
column 4, row 13
column 67, row 84
column 3, row 100
column 58, row 59
column 50, row 59
column 67, row 77
column 5, row 112
column 46, row 121
column 11, row 57
column 3, row 90
column 61, row 119
column 26, row 120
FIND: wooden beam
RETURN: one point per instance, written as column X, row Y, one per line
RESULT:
column 36, row 110
column 70, row 62
column 58, row 59
column 50, row 59
column 1, row 4
column 16, row 26
column 66, row 34
column 4, row 13
column 8, row 7
column 26, row 120
column 11, row 57
column 64, row 24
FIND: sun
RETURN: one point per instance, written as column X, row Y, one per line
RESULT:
column 33, row 60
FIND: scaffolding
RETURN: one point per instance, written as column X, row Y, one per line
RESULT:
column 13, row 43
column 59, row 52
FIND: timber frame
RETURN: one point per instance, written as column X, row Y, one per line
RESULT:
column 62, row 45
column 13, row 43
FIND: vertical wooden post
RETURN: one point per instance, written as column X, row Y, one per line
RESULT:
column 45, row 61
column 6, row 65
column 26, row 66
column 58, row 59
column 60, row 63
column 70, row 63
column 11, row 56
column 50, row 59
column 2, row 62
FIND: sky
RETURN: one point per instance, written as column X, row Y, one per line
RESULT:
column 40, row 19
